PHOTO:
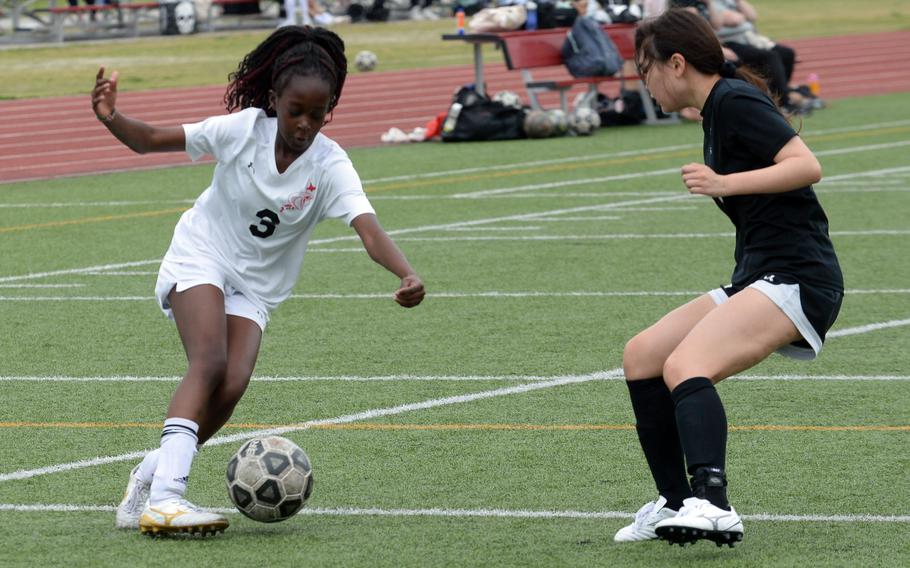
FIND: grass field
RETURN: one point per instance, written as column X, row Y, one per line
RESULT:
column 541, row 259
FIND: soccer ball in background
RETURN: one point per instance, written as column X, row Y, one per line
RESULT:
column 560, row 121
column 584, row 120
column 269, row 479
column 365, row 61
column 508, row 98
column 538, row 124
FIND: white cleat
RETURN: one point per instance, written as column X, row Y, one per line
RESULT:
column 699, row 519
column 179, row 516
column 645, row 520
column 134, row 501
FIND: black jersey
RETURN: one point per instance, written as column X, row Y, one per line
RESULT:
column 785, row 233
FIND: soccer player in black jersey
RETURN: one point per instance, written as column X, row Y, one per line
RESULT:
column 786, row 286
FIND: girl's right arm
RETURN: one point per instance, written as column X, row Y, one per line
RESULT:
column 135, row 134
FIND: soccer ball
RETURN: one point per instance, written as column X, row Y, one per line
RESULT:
column 365, row 61
column 584, row 120
column 508, row 98
column 538, row 124
column 269, row 479
column 560, row 121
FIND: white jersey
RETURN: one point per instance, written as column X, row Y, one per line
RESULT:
column 252, row 222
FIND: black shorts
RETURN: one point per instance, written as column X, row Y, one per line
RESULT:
column 812, row 309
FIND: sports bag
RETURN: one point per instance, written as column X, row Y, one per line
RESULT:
column 588, row 51
column 475, row 117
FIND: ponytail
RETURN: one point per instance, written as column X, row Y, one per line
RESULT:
column 684, row 32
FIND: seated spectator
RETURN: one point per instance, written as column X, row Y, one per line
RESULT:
column 734, row 22
column 311, row 13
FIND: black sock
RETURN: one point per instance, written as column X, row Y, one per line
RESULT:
column 655, row 422
column 702, row 425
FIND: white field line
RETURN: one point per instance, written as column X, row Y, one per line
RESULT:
column 521, row 216
column 559, row 195
column 864, row 189
column 435, row 295
column 870, row 173
column 419, row 378
column 660, row 172
column 866, row 148
column 867, row 328
column 345, row 419
column 100, row 267
column 607, row 155
column 860, row 378
column 17, row 286
column 526, row 228
column 565, row 183
column 574, row 219
column 470, row 513
column 533, row 164
column 40, row 205
column 120, row 273
column 628, row 236
column 901, row 180
column 527, row 216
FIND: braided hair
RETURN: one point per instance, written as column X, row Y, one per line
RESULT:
column 290, row 51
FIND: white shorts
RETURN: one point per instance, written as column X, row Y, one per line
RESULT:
column 185, row 275
column 787, row 298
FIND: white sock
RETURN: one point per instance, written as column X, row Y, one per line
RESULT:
column 148, row 466
column 175, row 457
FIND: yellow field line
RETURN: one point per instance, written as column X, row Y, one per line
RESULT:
column 614, row 161
column 87, row 220
column 460, row 427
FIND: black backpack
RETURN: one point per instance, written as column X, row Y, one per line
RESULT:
column 474, row 117
column 588, row 51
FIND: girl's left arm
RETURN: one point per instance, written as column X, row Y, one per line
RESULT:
column 384, row 251
column 794, row 166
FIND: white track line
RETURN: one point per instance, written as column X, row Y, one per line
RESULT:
column 470, row 513
column 345, row 419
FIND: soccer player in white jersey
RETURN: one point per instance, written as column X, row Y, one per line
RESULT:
column 785, row 293
column 237, row 252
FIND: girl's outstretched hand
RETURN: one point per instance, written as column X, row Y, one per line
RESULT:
column 411, row 292
column 702, row 180
column 104, row 95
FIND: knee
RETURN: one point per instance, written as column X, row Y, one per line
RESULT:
column 210, row 367
column 678, row 368
column 638, row 358
column 233, row 389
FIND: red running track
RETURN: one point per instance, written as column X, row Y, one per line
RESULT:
column 53, row 137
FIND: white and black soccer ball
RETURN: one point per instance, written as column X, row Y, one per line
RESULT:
column 365, row 61
column 269, row 479
column 560, row 121
column 508, row 98
column 584, row 121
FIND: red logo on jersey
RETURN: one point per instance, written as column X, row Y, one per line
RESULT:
column 297, row 201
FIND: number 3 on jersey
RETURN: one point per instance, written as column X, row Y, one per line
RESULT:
column 268, row 220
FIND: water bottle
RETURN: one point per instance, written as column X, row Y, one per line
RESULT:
column 814, row 85
column 452, row 117
column 531, row 23
column 459, row 21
